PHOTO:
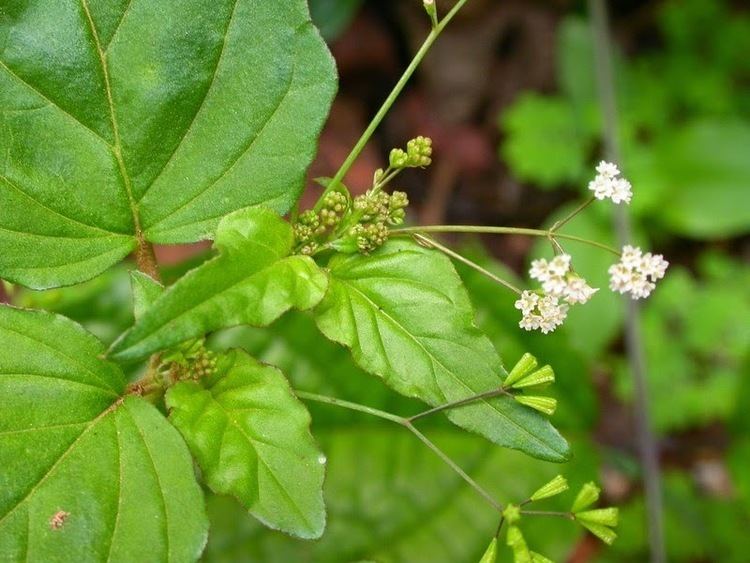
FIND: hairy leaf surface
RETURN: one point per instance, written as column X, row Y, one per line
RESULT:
column 251, row 437
column 252, row 281
column 148, row 119
column 85, row 475
column 407, row 318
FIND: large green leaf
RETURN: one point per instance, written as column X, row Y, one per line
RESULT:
column 407, row 318
column 252, row 281
column 148, row 119
column 251, row 437
column 86, row 475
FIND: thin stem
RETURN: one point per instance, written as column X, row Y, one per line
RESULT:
column 457, row 256
column 568, row 515
column 406, row 423
column 572, row 214
column 462, row 402
column 389, row 101
column 427, row 442
column 352, row 406
column 478, row 229
column 633, row 338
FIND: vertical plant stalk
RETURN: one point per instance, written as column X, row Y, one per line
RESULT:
column 390, row 100
column 633, row 337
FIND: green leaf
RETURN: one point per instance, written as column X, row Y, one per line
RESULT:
column 146, row 290
column 252, row 281
column 86, row 473
column 545, row 143
column 107, row 138
column 251, row 438
column 707, row 170
column 407, row 318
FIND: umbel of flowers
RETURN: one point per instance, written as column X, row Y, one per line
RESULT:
column 635, row 274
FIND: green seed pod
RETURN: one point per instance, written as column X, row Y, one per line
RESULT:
column 546, row 405
column 607, row 535
column 556, row 486
column 602, row 516
column 587, row 496
column 542, row 377
column 522, row 367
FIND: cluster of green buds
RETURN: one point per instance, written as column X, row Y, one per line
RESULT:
column 527, row 380
column 314, row 225
column 374, row 211
column 191, row 360
column 599, row 521
column 418, row 154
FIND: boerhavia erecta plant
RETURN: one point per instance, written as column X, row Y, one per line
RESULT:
column 166, row 123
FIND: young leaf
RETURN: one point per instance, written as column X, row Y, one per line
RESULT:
column 86, row 473
column 407, row 318
column 251, row 438
column 252, row 281
column 146, row 290
column 114, row 139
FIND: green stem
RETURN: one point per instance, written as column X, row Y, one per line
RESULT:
column 351, row 406
column 462, row 402
column 572, row 214
column 406, row 423
column 568, row 515
column 452, row 464
column 477, row 229
column 389, row 101
column 457, row 256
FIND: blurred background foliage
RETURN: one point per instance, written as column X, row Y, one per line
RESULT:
column 509, row 97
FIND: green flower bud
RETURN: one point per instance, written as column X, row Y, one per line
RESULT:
column 512, row 513
column 398, row 159
column 602, row 516
column 558, row 485
column 607, row 535
column 540, row 378
column 419, row 151
column 546, row 405
column 399, row 200
column 587, row 496
column 490, row 556
column 522, row 367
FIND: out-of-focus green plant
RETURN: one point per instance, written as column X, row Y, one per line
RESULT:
column 684, row 139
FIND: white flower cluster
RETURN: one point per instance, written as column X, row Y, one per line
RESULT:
column 541, row 312
column 636, row 273
column 546, row 312
column 607, row 184
column 557, row 279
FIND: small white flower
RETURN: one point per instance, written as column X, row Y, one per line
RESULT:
column 560, row 264
column 546, row 314
column 636, row 273
column 607, row 184
column 578, row 291
column 607, row 169
column 527, row 302
column 539, row 270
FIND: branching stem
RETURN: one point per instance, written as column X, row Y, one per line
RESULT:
column 406, row 423
column 480, row 229
column 453, row 254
